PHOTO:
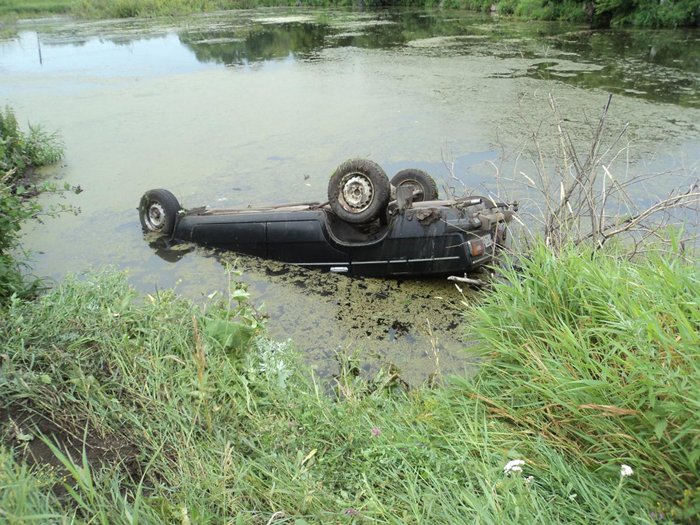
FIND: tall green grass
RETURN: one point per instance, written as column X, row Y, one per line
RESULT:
column 20, row 151
column 601, row 358
column 145, row 8
column 25, row 495
column 189, row 415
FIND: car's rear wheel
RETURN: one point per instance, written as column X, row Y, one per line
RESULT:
column 359, row 191
column 424, row 186
column 158, row 211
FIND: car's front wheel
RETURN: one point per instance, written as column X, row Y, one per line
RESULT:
column 359, row 191
column 158, row 211
column 424, row 186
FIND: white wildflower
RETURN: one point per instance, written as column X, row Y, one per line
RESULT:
column 529, row 479
column 626, row 471
column 515, row 465
column 572, row 496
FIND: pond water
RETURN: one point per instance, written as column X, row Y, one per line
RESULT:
column 256, row 107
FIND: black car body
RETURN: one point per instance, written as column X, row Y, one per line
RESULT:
column 405, row 237
column 430, row 238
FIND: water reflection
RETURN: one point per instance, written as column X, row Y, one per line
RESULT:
column 259, row 44
column 166, row 249
column 657, row 65
column 661, row 66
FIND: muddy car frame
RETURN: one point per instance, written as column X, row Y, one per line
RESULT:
column 370, row 226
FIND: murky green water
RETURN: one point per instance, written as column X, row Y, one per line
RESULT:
column 260, row 106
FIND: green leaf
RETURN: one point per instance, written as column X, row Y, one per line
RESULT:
column 660, row 427
column 228, row 335
column 239, row 295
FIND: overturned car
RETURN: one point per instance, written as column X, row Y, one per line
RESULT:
column 370, row 226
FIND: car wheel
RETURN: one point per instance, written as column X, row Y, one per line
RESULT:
column 158, row 211
column 420, row 181
column 359, row 191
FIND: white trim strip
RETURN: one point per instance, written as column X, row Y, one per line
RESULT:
column 321, row 264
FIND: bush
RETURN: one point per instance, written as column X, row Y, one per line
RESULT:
column 648, row 13
column 14, row 210
column 19, row 153
column 569, row 10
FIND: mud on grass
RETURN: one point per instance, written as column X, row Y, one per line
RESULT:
column 87, row 365
column 26, row 433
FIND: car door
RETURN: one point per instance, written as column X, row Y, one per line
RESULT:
column 298, row 238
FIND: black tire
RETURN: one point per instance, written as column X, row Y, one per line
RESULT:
column 158, row 211
column 359, row 191
column 420, row 180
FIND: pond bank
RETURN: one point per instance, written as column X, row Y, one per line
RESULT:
column 191, row 414
column 117, row 407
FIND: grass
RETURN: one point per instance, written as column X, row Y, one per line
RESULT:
column 146, row 8
column 602, row 358
column 119, row 8
column 21, row 151
column 25, row 8
column 156, row 410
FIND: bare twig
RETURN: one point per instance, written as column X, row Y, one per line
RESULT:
column 629, row 223
column 467, row 280
column 575, row 207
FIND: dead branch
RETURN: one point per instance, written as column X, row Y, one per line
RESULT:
column 467, row 280
column 574, row 193
column 630, row 223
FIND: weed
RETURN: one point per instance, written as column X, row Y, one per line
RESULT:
column 20, row 153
